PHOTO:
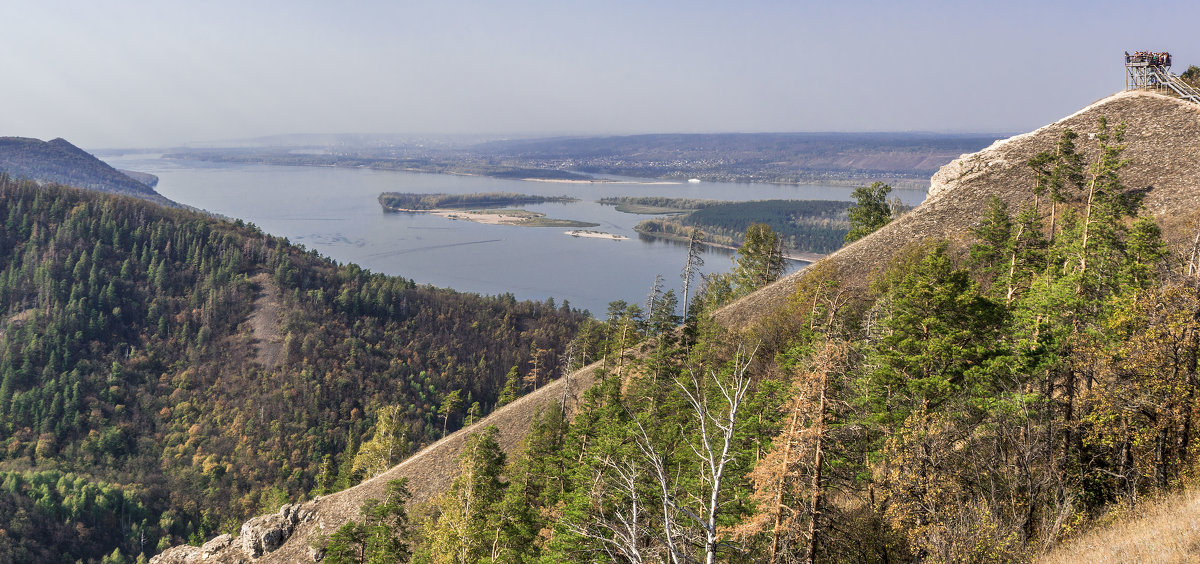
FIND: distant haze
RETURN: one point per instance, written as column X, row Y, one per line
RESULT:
column 139, row 74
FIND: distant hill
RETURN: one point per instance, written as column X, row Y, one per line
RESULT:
column 904, row 159
column 747, row 157
column 60, row 162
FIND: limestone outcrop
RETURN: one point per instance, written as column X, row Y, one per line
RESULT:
column 266, row 533
column 257, row 538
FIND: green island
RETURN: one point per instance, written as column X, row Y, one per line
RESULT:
column 523, row 218
column 656, row 205
column 805, row 226
column 408, row 201
column 486, row 207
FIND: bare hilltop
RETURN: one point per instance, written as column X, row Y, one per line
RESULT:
column 1162, row 146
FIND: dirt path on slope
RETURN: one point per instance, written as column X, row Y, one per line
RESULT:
column 264, row 322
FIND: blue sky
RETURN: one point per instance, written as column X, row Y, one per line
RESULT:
column 141, row 74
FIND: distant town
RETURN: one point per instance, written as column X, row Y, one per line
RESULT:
column 902, row 159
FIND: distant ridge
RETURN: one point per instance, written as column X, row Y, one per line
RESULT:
column 60, row 162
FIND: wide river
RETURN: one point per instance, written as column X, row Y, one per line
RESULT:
column 335, row 211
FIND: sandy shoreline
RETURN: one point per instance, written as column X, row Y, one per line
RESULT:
column 595, row 235
column 517, row 217
column 477, row 217
column 599, row 181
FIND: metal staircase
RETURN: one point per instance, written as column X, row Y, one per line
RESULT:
column 1167, row 79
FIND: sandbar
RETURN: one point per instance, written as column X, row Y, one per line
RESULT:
column 595, row 235
column 599, row 181
column 486, row 218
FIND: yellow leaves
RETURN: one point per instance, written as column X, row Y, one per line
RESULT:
column 212, row 466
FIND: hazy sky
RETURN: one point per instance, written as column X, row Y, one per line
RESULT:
column 140, row 74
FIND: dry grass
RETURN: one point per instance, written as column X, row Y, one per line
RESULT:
column 1163, row 530
column 1162, row 144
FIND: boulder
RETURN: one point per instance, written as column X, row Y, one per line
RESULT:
column 216, row 545
column 264, row 534
column 182, row 554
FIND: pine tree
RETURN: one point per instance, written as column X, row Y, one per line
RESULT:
column 937, row 338
column 451, row 404
column 382, row 536
column 512, row 387
column 536, row 482
column 759, row 260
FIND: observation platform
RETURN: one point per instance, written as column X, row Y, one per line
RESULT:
column 1151, row 69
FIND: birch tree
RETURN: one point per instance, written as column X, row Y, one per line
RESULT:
column 387, row 447
column 464, row 529
column 692, row 266
column 715, row 400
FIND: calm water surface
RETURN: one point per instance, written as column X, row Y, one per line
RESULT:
column 335, row 211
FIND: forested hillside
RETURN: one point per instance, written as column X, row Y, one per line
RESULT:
column 61, row 162
column 979, row 399
column 137, row 409
column 981, row 392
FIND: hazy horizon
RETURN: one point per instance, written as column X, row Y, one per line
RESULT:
column 465, row 140
column 143, row 74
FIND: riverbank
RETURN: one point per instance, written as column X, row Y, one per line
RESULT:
column 589, row 234
column 520, row 218
column 798, row 256
column 603, row 181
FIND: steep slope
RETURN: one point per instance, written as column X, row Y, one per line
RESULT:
column 61, row 162
column 1163, row 531
column 1157, row 126
column 1162, row 145
column 429, row 472
column 140, row 405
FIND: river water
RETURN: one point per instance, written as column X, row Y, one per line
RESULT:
column 335, row 211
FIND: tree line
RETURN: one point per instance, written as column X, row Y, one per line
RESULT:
column 392, row 201
column 817, row 226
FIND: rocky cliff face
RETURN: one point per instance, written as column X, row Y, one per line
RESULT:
column 1162, row 145
column 258, row 536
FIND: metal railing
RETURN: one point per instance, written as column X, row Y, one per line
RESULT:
column 1167, row 79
